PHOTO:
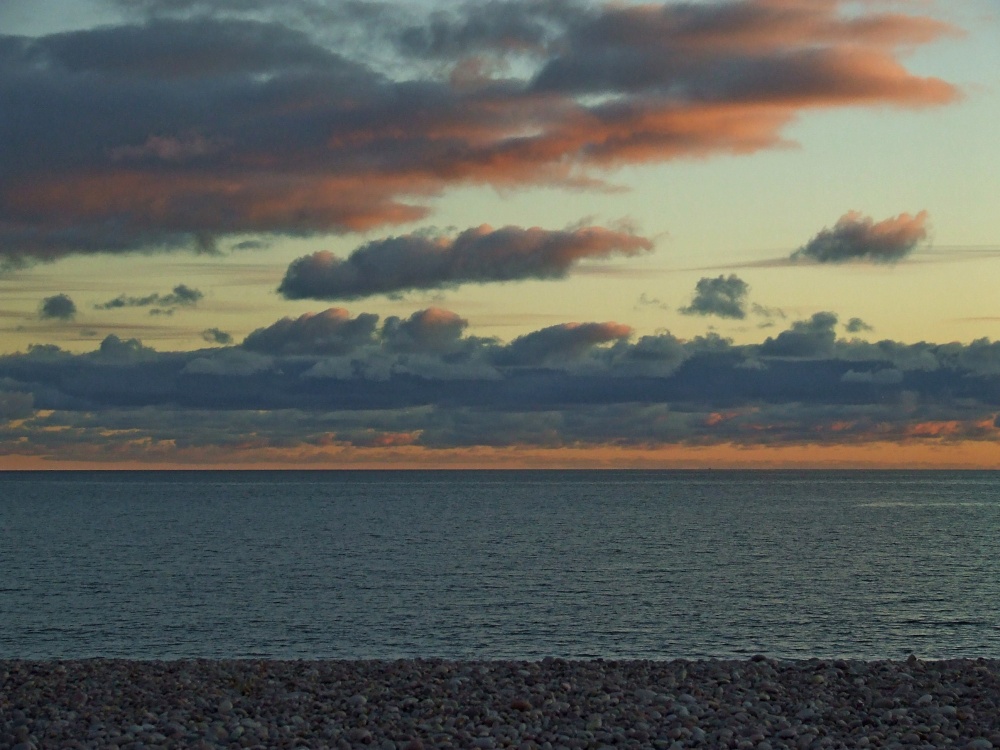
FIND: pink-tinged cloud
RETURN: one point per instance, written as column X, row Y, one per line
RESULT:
column 566, row 341
column 476, row 256
column 332, row 331
column 856, row 237
column 431, row 330
column 197, row 127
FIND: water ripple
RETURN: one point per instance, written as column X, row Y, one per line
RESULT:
column 500, row 564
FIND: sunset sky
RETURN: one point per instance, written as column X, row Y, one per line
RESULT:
column 560, row 233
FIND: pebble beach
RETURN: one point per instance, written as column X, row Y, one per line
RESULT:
column 757, row 704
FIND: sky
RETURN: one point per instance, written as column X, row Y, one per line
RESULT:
column 499, row 234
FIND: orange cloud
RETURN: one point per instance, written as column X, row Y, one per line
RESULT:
column 955, row 430
column 276, row 133
column 767, row 25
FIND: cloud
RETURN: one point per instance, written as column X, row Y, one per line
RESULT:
column 250, row 245
column 45, row 351
column 767, row 312
column 115, row 349
column 565, row 341
column 229, row 363
column 430, row 330
column 202, row 121
column 166, row 149
column 725, row 297
column 884, row 376
column 15, row 404
column 332, row 331
column 57, row 307
column 217, row 336
column 162, row 304
column 856, row 237
column 645, row 301
column 480, row 255
column 806, row 338
column 657, row 355
column 857, row 325
column 330, row 380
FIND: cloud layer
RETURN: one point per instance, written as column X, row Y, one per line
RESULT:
column 332, row 379
column 479, row 255
column 856, row 237
column 200, row 120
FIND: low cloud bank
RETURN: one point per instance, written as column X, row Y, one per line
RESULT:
column 332, row 379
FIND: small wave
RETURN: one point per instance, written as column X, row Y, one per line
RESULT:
column 926, row 504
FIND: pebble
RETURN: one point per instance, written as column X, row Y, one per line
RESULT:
column 757, row 704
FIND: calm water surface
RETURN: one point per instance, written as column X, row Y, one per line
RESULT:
column 499, row 564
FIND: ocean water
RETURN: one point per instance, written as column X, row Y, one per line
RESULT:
column 622, row 564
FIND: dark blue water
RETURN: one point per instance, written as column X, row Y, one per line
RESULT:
column 500, row 564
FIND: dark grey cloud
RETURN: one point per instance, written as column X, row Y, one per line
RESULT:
column 430, row 330
column 57, row 307
column 884, row 376
column 229, row 363
column 15, row 404
column 562, row 342
column 723, row 296
column 197, row 122
column 181, row 296
column 332, row 331
column 806, row 338
column 166, row 48
column 480, row 255
column 481, row 29
column 767, row 312
column 199, row 435
column 47, row 351
column 299, row 13
column 857, row 325
column 115, row 349
column 250, row 245
column 335, row 379
column 856, row 237
column 217, row 336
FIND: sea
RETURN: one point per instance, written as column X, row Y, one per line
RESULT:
column 500, row 564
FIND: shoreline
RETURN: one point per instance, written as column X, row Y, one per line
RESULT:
column 755, row 704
